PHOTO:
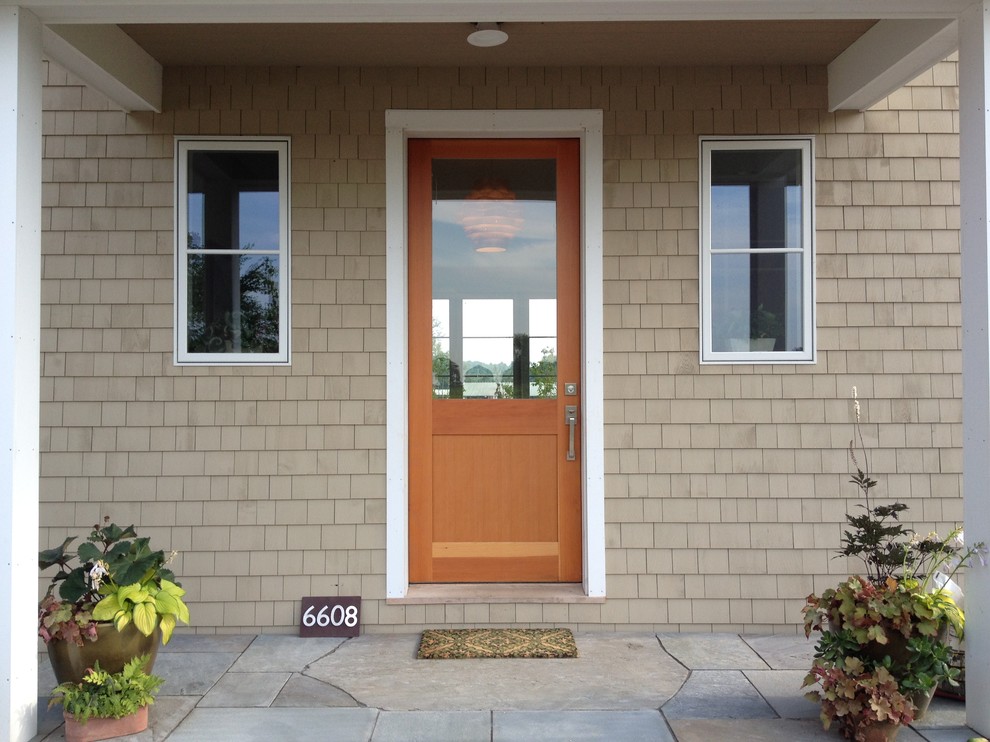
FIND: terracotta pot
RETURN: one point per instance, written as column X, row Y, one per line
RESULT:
column 882, row 731
column 102, row 728
column 113, row 649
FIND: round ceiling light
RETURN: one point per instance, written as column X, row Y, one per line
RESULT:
column 487, row 34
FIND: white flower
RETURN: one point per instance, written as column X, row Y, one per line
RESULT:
column 97, row 572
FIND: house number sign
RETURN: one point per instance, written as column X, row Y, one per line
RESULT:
column 330, row 616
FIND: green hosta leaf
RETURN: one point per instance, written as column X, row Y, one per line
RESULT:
column 175, row 592
column 166, row 603
column 167, row 624
column 107, row 609
column 135, row 593
column 145, row 618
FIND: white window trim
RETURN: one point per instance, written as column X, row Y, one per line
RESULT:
column 806, row 145
column 399, row 127
column 183, row 145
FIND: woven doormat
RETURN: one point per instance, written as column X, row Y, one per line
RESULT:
column 455, row 644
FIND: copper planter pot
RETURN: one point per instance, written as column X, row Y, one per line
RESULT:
column 113, row 649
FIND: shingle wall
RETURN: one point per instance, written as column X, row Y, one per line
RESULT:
column 726, row 485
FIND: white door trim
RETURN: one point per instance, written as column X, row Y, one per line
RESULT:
column 399, row 127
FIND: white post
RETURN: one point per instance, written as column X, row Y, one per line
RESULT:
column 974, row 101
column 20, row 330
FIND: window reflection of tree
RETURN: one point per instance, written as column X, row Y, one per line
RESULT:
column 214, row 325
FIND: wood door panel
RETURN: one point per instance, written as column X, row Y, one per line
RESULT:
column 512, row 569
column 490, row 488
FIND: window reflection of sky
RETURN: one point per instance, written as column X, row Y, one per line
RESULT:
column 731, row 229
column 257, row 221
column 489, row 282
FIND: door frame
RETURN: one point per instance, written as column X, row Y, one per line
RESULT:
column 586, row 125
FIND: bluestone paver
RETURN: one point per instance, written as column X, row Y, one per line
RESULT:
column 572, row 726
column 433, row 726
column 718, row 694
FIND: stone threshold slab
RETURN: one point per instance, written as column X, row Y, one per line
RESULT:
column 523, row 592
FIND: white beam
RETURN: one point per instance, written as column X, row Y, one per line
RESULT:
column 379, row 11
column 20, row 352
column 974, row 161
column 890, row 54
column 108, row 60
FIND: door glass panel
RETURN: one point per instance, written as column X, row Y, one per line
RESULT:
column 494, row 279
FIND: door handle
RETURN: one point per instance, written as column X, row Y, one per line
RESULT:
column 570, row 419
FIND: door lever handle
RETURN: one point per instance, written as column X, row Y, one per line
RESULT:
column 570, row 419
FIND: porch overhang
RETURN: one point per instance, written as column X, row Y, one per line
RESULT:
column 88, row 40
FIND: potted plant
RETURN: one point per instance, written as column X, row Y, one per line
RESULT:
column 884, row 648
column 757, row 330
column 115, row 597
column 866, row 701
column 104, row 705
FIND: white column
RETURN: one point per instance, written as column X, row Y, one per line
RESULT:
column 974, row 100
column 20, row 322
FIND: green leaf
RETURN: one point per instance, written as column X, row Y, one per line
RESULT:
column 89, row 553
column 135, row 593
column 107, row 608
column 145, row 618
column 166, row 603
column 74, row 586
column 50, row 557
column 167, row 624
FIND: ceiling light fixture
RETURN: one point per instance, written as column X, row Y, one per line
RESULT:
column 491, row 216
column 487, row 34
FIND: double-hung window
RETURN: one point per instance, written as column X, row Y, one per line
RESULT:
column 757, row 258
column 232, row 251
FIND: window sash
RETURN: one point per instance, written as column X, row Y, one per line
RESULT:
column 805, row 249
column 182, row 354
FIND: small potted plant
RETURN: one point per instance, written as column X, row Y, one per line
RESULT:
column 104, row 705
column 866, row 702
column 884, row 634
column 115, row 598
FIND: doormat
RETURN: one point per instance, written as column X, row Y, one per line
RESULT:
column 456, row 644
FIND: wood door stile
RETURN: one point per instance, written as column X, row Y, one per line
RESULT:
column 420, row 366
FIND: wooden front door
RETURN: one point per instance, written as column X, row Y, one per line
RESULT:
column 494, row 359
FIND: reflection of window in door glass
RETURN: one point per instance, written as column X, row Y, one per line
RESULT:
column 494, row 279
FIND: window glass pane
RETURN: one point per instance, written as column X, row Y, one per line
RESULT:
column 756, row 199
column 757, row 302
column 233, row 200
column 232, row 304
column 494, row 278
column 258, row 220
column 195, row 221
